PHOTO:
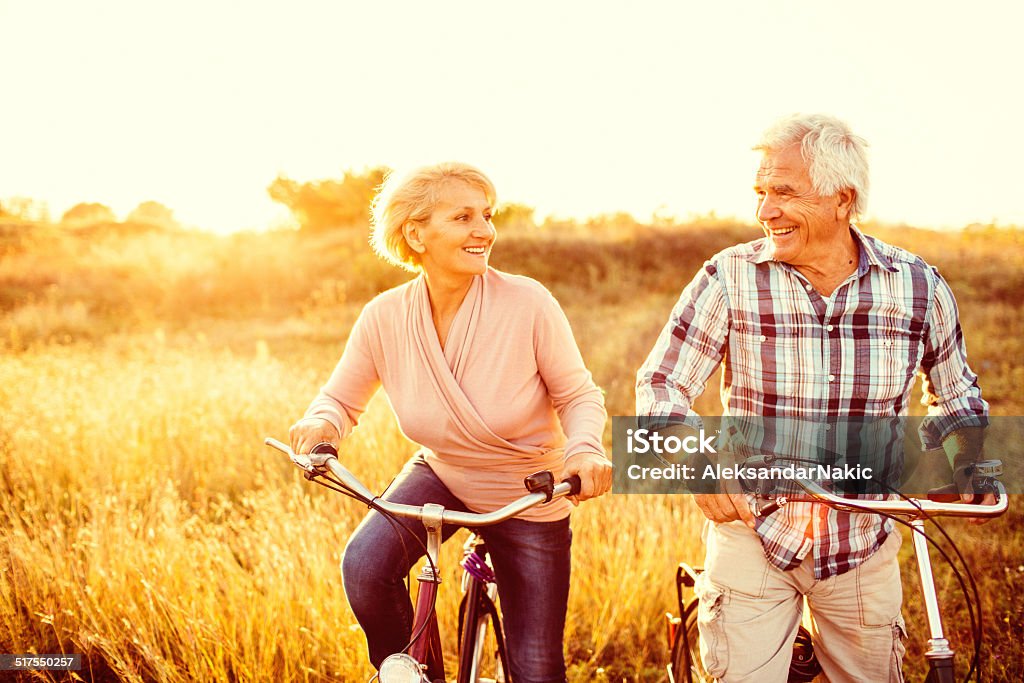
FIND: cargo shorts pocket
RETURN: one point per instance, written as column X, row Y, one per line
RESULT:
column 714, row 647
column 879, row 589
column 899, row 634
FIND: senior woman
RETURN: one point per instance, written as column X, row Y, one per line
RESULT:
column 482, row 371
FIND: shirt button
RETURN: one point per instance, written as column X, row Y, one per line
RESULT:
column 828, row 428
column 831, row 378
column 809, row 288
column 763, row 338
column 829, row 328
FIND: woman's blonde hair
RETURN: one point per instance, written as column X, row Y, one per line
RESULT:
column 412, row 197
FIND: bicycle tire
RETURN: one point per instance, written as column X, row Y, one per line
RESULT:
column 686, row 652
column 480, row 658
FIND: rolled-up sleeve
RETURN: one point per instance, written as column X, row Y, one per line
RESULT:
column 688, row 350
column 951, row 389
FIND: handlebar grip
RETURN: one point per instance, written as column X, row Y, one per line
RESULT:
column 768, row 509
column 951, row 494
column 325, row 448
column 574, row 484
column 544, row 482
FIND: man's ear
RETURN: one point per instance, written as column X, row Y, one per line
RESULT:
column 411, row 232
column 844, row 208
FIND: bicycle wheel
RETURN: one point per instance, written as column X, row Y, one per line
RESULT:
column 480, row 648
column 687, row 666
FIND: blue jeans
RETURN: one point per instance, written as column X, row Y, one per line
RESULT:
column 531, row 563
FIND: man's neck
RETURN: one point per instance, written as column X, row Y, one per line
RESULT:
column 834, row 266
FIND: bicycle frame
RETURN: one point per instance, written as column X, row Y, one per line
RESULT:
column 426, row 649
column 479, row 590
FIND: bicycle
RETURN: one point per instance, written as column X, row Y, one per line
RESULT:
column 422, row 659
column 685, row 662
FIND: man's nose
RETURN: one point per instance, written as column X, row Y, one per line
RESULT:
column 767, row 209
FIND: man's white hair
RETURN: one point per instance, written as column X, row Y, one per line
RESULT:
column 836, row 158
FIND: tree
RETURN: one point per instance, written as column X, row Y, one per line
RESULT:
column 513, row 217
column 324, row 204
column 88, row 213
column 153, row 213
column 27, row 209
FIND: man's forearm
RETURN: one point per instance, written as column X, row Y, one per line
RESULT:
column 963, row 446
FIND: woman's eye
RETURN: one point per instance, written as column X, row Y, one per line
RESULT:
column 487, row 216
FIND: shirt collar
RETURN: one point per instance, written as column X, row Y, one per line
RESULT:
column 869, row 253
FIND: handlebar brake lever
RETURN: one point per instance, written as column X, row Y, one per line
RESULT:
column 317, row 460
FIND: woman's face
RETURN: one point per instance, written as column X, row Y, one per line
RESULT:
column 457, row 239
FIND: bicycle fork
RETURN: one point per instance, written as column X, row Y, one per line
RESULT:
column 939, row 654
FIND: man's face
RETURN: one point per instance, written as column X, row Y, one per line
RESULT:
column 803, row 227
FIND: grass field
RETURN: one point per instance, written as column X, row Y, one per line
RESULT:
column 144, row 525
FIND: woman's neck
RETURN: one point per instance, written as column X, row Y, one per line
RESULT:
column 446, row 293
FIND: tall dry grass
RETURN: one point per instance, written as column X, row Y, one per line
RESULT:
column 143, row 524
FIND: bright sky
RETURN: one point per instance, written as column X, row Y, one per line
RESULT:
column 576, row 108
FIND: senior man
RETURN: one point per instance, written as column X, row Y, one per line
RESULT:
column 815, row 321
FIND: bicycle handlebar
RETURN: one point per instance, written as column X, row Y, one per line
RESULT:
column 913, row 507
column 315, row 464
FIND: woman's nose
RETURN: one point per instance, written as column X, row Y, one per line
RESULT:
column 483, row 228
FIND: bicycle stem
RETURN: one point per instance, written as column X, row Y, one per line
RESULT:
column 433, row 515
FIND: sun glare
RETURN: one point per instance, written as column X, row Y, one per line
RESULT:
column 578, row 110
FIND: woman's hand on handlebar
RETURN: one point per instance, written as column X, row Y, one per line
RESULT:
column 595, row 473
column 310, row 431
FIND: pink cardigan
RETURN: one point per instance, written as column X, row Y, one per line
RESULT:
column 492, row 406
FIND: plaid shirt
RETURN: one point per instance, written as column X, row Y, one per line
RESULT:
column 788, row 352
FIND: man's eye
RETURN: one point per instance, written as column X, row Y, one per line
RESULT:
column 487, row 216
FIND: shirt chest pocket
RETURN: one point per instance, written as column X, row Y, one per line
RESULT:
column 764, row 359
column 885, row 363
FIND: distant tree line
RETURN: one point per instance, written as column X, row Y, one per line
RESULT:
column 321, row 205
column 86, row 214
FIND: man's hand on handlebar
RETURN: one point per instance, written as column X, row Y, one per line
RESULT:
column 964, row 447
column 595, row 473
column 310, row 431
column 727, row 506
column 963, row 490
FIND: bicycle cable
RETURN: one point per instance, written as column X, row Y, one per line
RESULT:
column 392, row 519
column 977, row 627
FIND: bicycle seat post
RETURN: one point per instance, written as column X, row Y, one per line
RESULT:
column 938, row 647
